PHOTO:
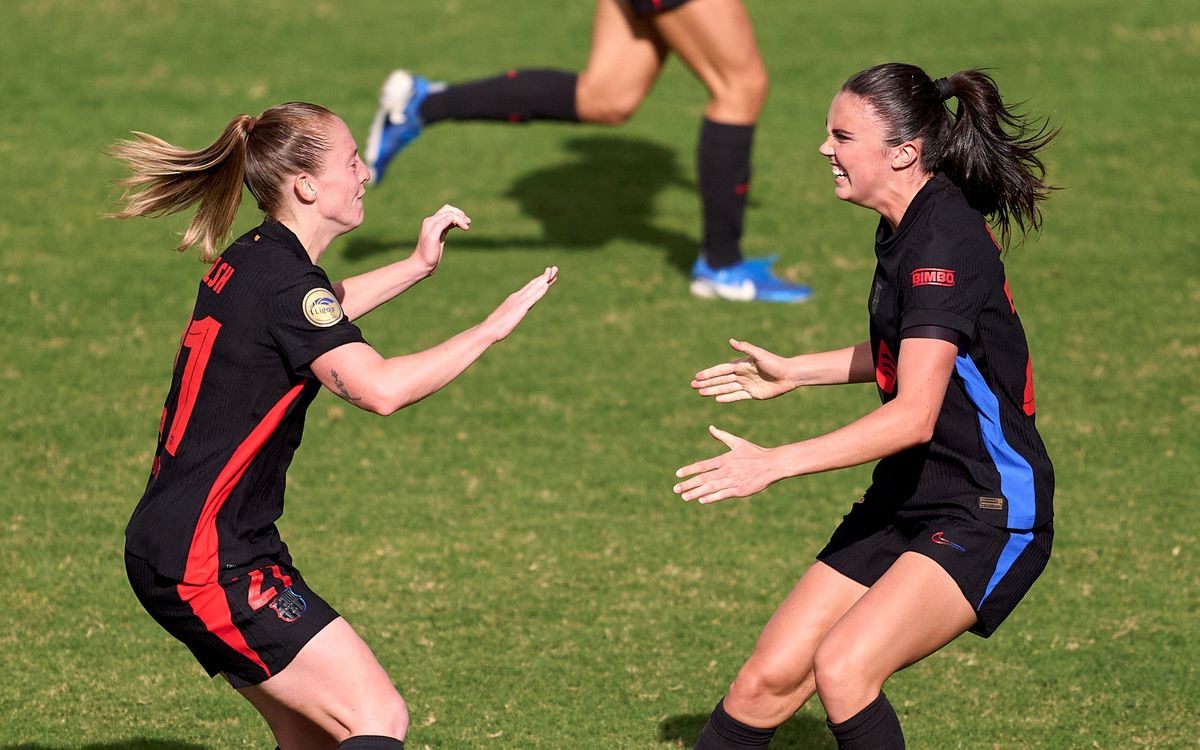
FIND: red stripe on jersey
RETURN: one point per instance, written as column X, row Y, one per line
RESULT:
column 209, row 604
column 202, row 562
column 1029, row 407
column 885, row 369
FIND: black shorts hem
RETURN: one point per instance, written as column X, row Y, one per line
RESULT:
column 993, row 568
column 651, row 7
column 248, row 627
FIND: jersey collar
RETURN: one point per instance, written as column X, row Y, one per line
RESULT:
column 885, row 238
column 284, row 236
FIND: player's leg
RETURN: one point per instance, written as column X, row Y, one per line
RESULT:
column 778, row 677
column 334, row 684
column 716, row 40
column 624, row 60
column 913, row 610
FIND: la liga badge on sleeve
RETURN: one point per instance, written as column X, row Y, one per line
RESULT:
column 321, row 308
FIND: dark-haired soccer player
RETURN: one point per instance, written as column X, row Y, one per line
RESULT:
column 630, row 43
column 956, row 524
column 269, row 328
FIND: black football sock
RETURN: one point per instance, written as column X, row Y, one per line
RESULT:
column 873, row 728
column 723, row 166
column 371, row 742
column 723, row 732
column 516, row 96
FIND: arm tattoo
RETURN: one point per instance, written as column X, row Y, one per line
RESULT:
column 342, row 388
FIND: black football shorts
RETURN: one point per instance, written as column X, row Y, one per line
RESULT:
column 650, row 7
column 249, row 625
column 994, row 568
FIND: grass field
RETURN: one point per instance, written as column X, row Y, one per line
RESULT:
column 511, row 548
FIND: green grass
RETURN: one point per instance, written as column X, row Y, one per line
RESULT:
column 511, row 548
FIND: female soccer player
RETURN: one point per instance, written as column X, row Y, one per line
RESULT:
column 956, row 524
column 630, row 43
column 269, row 329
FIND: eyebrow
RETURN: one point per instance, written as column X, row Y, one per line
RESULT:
column 841, row 133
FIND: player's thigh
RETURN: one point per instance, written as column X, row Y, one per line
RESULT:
column 715, row 38
column 787, row 643
column 777, row 679
column 336, row 683
column 624, row 61
column 913, row 610
column 292, row 730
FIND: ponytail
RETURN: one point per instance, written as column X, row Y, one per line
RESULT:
column 985, row 148
column 172, row 179
column 259, row 152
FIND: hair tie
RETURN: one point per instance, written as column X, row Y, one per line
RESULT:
column 943, row 89
column 250, row 125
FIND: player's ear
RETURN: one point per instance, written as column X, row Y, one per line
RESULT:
column 906, row 155
column 304, row 187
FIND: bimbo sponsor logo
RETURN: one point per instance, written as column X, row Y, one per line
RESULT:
column 933, row 277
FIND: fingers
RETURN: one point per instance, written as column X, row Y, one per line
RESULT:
column 728, row 398
column 540, row 284
column 727, row 438
column 447, row 218
column 707, row 388
column 717, row 371
column 706, row 488
column 700, row 467
column 745, row 347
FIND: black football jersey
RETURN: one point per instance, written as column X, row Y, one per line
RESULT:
column 941, row 268
column 234, row 414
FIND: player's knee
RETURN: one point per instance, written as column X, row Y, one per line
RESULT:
column 386, row 716
column 741, row 94
column 838, row 668
column 762, row 685
column 601, row 102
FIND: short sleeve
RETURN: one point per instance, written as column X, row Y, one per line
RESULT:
column 306, row 320
column 943, row 284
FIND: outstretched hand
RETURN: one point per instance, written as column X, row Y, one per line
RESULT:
column 512, row 310
column 432, row 239
column 759, row 375
column 742, row 471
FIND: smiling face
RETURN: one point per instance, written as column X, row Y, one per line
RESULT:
column 863, row 164
column 340, row 185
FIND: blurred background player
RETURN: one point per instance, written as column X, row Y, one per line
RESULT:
column 630, row 43
column 957, row 522
column 202, row 551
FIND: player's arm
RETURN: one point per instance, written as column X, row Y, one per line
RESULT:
column 360, row 375
column 361, row 294
column 761, row 374
column 923, row 373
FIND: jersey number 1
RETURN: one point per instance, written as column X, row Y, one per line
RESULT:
column 198, row 340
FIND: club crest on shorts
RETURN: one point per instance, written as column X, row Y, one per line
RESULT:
column 321, row 308
column 289, row 606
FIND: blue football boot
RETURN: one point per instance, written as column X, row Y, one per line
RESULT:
column 748, row 280
column 397, row 122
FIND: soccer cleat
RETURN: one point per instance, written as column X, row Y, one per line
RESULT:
column 397, row 122
column 748, row 280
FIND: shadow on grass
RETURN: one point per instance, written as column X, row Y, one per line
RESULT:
column 134, row 744
column 604, row 191
column 802, row 732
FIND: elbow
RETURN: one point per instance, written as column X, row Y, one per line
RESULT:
column 923, row 425
column 916, row 426
column 381, row 401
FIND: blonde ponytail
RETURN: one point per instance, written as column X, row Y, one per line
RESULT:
column 259, row 152
column 167, row 179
